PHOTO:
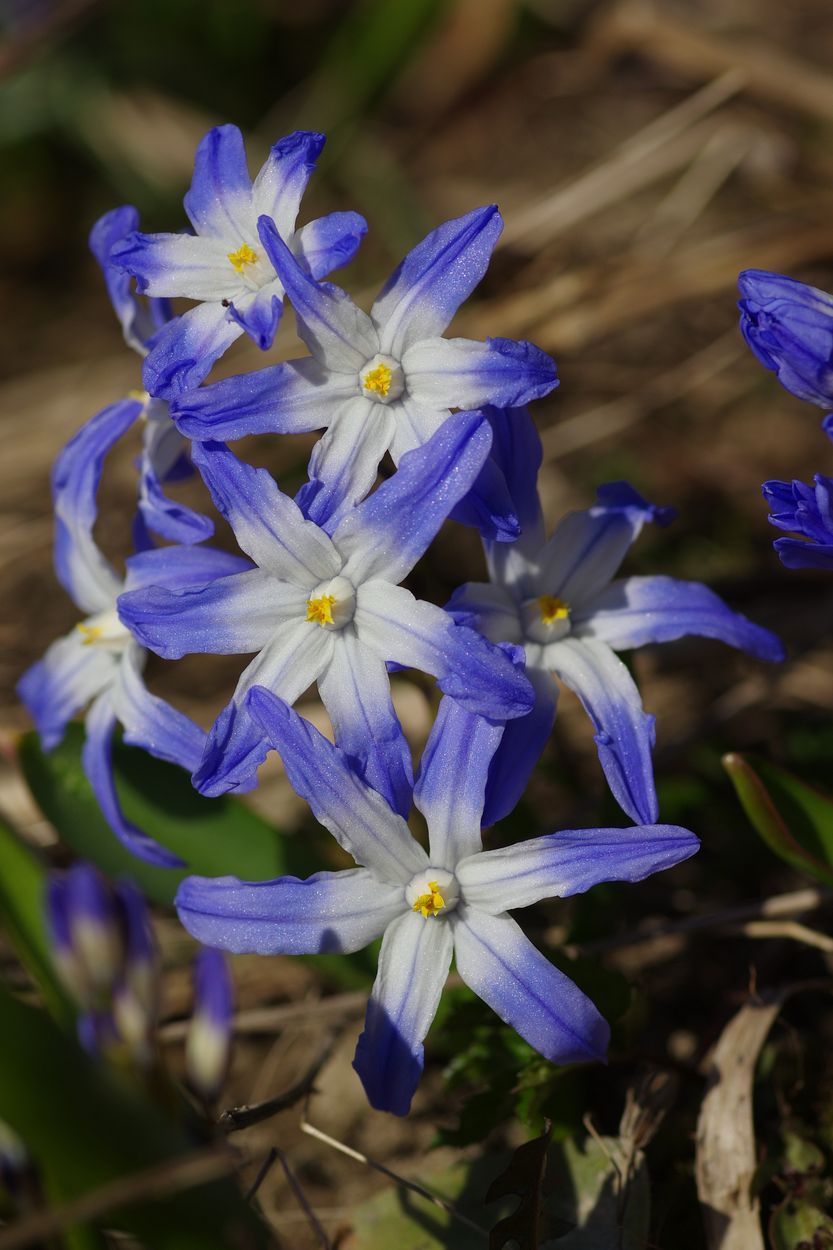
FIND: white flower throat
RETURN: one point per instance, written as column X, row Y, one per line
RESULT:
column 382, row 379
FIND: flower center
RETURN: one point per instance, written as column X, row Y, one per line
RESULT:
column 546, row 618
column 382, row 379
column 104, row 630
column 433, row 891
column 332, row 605
column 244, row 256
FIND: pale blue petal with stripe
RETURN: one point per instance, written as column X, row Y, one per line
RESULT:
column 488, row 608
column 331, row 912
column 182, row 352
column 62, row 682
column 219, row 200
column 460, row 373
column 178, row 567
column 413, row 966
column 359, row 818
column 280, row 185
column 386, row 535
column 424, row 292
column 268, row 525
column 291, row 398
column 97, row 761
column 178, row 265
column 259, row 313
column 149, row 721
column 416, row 634
column 570, row 862
column 81, row 567
column 355, row 690
column 637, row 610
column 520, row 748
column 329, row 242
column 501, row 965
column 344, row 463
column 451, row 783
column 337, row 332
column 624, row 731
column 163, row 458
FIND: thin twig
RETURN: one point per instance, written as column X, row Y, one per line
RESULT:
column 263, row 1171
column 238, row 1118
column 437, row 1201
column 788, row 929
column 301, row 1197
column 795, row 902
column 159, row 1181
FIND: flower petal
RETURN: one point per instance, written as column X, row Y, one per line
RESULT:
column 337, row 333
column 291, row 398
column 414, row 424
column 355, row 690
column 413, row 966
column 259, row 313
column 451, row 782
column 329, row 242
column 137, row 320
column 62, row 682
column 344, row 462
column 487, row 608
column 520, row 749
column 162, row 452
column 149, row 721
column 517, row 452
column 501, row 965
column 416, row 634
column 97, row 762
column 638, row 610
column 182, row 352
column 178, row 567
column 570, row 862
column 358, row 817
column 268, row 525
column 488, row 507
column 435, row 278
column 460, row 373
column 386, row 535
column 624, row 731
column 82, row 568
column 331, row 912
column 219, row 202
column 178, row 265
column 230, row 616
column 279, row 187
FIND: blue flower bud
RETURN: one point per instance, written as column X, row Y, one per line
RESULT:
column 69, row 967
column 94, row 926
column 136, row 997
column 806, row 510
column 208, row 1044
column 789, row 327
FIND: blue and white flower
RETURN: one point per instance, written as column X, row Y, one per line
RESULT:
column 377, row 383
column 329, row 609
column 99, row 664
column 453, row 899
column 163, row 456
column 805, row 510
column 789, row 326
column 225, row 265
column 561, row 601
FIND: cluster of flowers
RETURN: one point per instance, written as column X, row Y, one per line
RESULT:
column 789, row 327
column 104, row 952
column 317, row 598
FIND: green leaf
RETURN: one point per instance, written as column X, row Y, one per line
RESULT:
column 795, row 820
column 85, row 1127
column 22, row 890
column 215, row 837
column 796, row 1223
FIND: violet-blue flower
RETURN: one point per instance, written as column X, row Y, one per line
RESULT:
column 379, row 382
column 452, row 899
column 806, row 510
column 560, row 600
column 329, row 609
column 224, row 265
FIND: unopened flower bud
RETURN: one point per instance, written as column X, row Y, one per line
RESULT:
column 789, row 327
column 208, row 1044
column 94, row 927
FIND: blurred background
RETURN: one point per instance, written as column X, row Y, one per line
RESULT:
column 642, row 153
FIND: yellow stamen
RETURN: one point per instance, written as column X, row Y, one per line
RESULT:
column 321, row 610
column 431, row 902
column 91, row 633
column 142, row 396
column 242, row 257
column 377, row 380
column 553, row 609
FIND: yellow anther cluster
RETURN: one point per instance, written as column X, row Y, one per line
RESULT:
column 242, row 257
column 553, row 609
column 432, row 902
column 377, row 380
column 321, row 610
column 91, row 633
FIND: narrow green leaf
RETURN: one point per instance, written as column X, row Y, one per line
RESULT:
column 794, row 820
column 85, row 1127
column 215, row 837
column 22, row 889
